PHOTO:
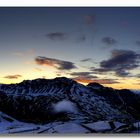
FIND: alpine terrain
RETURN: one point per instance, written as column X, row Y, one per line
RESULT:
column 62, row 105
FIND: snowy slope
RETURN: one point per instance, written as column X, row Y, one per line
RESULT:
column 61, row 99
column 34, row 101
column 9, row 125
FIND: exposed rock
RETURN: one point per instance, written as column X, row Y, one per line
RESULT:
column 34, row 101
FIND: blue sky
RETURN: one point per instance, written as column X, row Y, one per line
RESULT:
column 55, row 35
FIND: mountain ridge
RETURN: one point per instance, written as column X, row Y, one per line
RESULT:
column 34, row 101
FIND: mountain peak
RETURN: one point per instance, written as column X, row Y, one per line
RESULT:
column 35, row 101
column 95, row 85
column 64, row 79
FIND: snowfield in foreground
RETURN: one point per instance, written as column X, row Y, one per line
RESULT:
column 9, row 125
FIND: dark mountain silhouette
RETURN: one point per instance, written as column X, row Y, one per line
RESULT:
column 43, row 100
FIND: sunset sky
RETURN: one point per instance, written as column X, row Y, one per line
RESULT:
column 87, row 44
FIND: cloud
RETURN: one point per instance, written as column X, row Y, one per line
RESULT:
column 137, row 75
column 81, row 80
column 85, row 75
column 59, row 74
column 89, row 19
column 65, row 106
column 100, row 81
column 107, row 81
column 57, row 36
column 80, row 73
column 13, row 76
column 29, row 52
column 120, row 62
column 86, row 59
column 109, row 41
column 17, row 53
column 59, row 64
column 37, row 70
column 122, row 73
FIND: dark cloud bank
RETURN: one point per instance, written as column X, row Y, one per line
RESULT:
column 121, row 62
column 59, row 64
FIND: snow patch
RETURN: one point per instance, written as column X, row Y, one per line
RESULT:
column 136, row 91
column 68, row 128
column 99, row 126
column 136, row 125
column 118, row 124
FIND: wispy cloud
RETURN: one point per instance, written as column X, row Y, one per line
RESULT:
column 109, row 41
column 28, row 52
column 17, row 53
column 37, row 69
column 86, row 60
column 83, row 75
column 100, row 81
column 120, row 62
column 137, row 75
column 57, row 35
column 59, row 64
column 13, row 76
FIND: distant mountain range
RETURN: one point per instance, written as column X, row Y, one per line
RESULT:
column 62, row 99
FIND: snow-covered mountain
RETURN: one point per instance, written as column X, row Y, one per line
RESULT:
column 124, row 99
column 62, row 99
column 9, row 125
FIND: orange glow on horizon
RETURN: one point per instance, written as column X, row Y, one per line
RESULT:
column 128, row 85
column 121, row 85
